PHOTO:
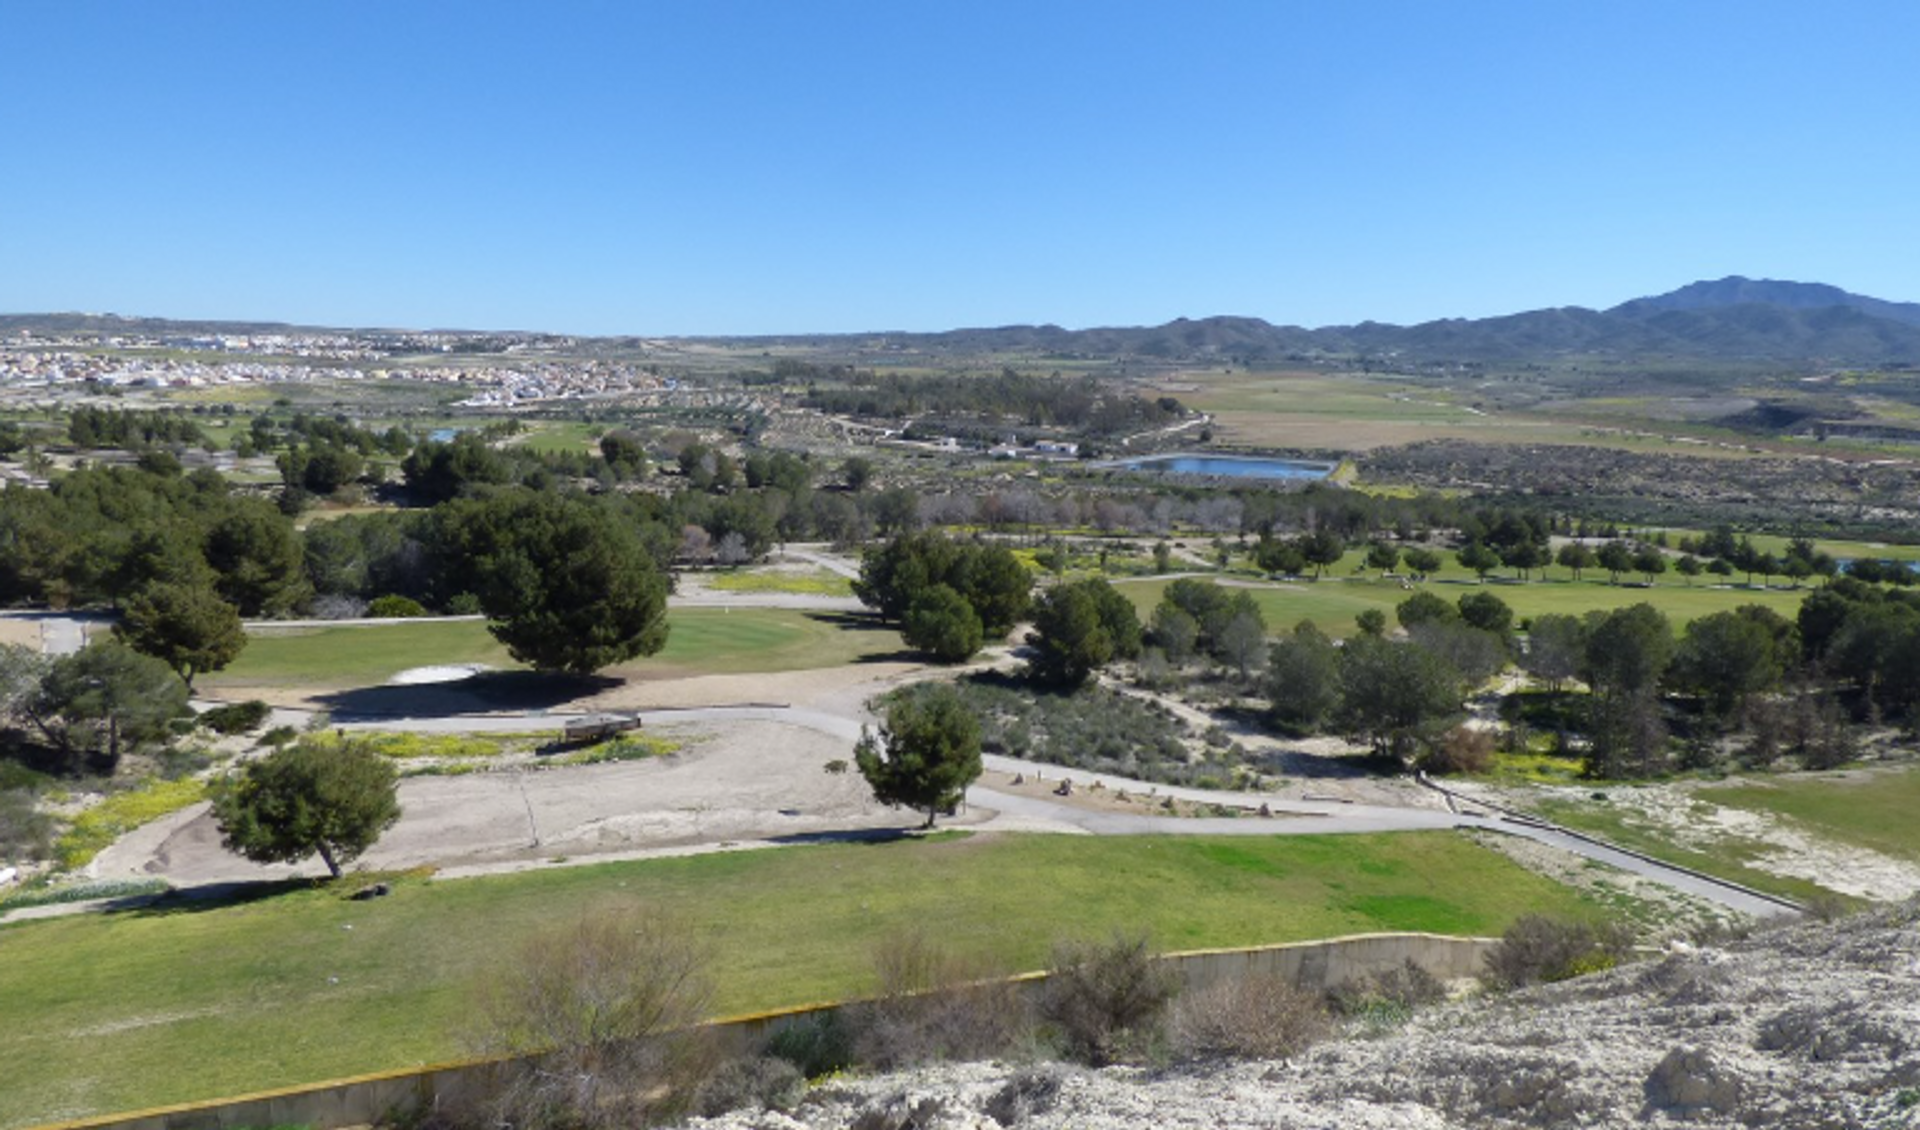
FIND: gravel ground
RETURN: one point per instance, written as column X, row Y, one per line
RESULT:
column 1804, row 1026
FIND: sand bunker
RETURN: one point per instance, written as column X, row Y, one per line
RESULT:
column 448, row 673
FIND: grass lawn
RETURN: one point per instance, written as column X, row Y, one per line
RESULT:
column 105, row 1013
column 558, row 436
column 1869, row 808
column 1333, row 604
column 702, row 641
column 355, row 656
column 721, row 641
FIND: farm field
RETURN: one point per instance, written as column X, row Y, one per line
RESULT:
column 1333, row 604
column 702, row 641
column 1316, row 412
column 105, row 1013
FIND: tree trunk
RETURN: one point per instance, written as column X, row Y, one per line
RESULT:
column 326, row 857
column 931, row 813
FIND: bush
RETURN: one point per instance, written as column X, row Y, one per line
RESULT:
column 236, row 717
column 761, row 1083
column 279, row 736
column 610, row 1000
column 395, row 608
column 932, row 1006
column 1106, row 1000
column 1262, row 1017
column 816, row 1046
column 1535, row 950
column 25, row 832
column 1462, row 750
column 1392, row 995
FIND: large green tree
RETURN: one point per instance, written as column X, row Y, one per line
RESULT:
column 188, row 627
column 328, row 799
column 927, row 754
column 1395, row 694
column 566, row 584
column 257, row 559
column 1726, row 657
column 104, row 700
column 941, row 623
column 1080, row 627
column 1303, row 676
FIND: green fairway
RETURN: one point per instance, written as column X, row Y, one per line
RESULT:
column 357, row 655
column 702, row 641
column 102, row 1013
column 1333, row 604
column 720, row 641
column 1869, row 808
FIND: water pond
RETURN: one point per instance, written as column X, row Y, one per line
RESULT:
column 1234, row 466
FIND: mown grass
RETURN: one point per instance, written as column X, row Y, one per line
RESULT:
column 1333, row 604
column 349, row 656
column 102, row 1013
column 1728, row 857
column 1869, row 808
column 701, row 641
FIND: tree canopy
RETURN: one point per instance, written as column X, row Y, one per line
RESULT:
column 312, row 798
column 1080, row 627
column 926, row 755
column 565, row 585
column 188, row 627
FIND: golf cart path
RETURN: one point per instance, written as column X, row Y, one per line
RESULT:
column 761, row 775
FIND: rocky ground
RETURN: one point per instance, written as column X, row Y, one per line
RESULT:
column 1812, row 1025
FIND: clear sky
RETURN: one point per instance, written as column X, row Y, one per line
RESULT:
column 713, row 166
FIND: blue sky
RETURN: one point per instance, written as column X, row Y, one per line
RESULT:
column 716, row 166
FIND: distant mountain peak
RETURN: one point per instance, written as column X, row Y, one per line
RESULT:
column 1738, row 290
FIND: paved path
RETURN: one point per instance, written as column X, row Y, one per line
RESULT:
column 612, row 795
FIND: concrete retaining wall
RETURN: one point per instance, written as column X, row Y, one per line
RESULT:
column 368, row 1098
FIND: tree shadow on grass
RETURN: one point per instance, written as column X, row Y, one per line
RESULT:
column 868, row 623
column 209, row 896
column 487, row 692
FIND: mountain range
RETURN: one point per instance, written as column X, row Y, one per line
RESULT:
column 1732, row 319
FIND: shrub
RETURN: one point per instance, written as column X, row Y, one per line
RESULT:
column 1462, row 750
column 1536, row 949
column 1106, row 999
column 25, row 831
column 760, row 1083
column 83, row 892
column 236, row 717
column 931, row 1005
column 610, row 1000
column 395, row 608
column 279, row 736
column 1262, row 1017
column 1390, row 995
column 816, row 1046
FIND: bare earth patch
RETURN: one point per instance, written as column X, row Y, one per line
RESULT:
column 1784, row 848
